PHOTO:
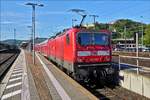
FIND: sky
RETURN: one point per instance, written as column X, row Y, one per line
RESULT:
column 55, row 15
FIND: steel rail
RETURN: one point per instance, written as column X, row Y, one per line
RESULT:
column 6, row 64
column 116, row 94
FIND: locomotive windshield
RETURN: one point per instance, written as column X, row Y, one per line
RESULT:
column 93, row 39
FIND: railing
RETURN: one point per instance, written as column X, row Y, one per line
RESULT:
column 137, row 61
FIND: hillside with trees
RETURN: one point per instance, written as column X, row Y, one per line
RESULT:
column 126, row 28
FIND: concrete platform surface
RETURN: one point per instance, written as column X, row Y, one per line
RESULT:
column 15, row 84
column 40, row 81
column 66, row 88
column 138, row 83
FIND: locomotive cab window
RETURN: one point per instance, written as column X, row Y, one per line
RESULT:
column 93, row 39
column 67, row 39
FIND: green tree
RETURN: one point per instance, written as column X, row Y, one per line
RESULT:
column 118, row 27
column 147, row 35
column 131, row 27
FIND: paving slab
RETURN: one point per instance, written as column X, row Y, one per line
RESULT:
column 26, row 81
column 71, row 87
column 15, row 81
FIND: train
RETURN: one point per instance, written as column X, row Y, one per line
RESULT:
column 84, row 54
column 5, row 46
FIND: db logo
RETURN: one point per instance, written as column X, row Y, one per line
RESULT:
column 93, row 53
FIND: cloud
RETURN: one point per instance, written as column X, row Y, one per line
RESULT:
column 12, row 14
column 21, row 3
column 6, row 22
column 55, row 13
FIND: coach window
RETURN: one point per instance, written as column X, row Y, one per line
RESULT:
column 67, row 39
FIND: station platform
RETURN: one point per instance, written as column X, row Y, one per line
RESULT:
column 40, row 81
column 136, row 82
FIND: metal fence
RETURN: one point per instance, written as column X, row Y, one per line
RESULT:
column 137, row 61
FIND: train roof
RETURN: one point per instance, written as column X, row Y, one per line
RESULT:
column 43, row 42
column 78, row 29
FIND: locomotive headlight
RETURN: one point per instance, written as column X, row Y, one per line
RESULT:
column 83, row 53
column 104, row 53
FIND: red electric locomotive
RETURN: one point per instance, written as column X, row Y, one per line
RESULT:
column 84, row 54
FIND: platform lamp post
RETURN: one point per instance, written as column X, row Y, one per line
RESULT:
column 15, row 37
column 30, row 40
column 125, row 37
column 33, row 5
column 137, row 52
column 142, row 31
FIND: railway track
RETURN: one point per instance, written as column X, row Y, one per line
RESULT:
column 2, row 50
column 112, row 92
column 108, row 93
column 142, row 62
column 6, row 60
column 116, row 93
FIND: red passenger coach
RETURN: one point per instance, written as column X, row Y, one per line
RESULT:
column 85, row 54
column 42, row 48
